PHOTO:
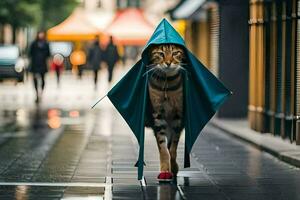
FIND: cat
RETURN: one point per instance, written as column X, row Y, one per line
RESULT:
column 165, row 87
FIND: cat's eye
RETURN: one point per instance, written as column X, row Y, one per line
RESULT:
column 176, row 53
column 158, row 53
column 161, row 54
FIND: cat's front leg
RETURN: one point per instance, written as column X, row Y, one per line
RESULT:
column 164, row 154
column 160, row 130
column 173, row 154
column 176, row 130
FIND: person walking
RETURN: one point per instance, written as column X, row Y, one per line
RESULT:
column 57, row 66
column 95, row 58
column 39, row 52
column 111, row 57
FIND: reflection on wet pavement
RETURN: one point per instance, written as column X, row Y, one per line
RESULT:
column 45, row 148
column 83, row 193
column 24, row 192
column 165, row 192
column 56, row 146
column 54, row 120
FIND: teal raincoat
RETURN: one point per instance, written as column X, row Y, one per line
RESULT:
column 203, row 94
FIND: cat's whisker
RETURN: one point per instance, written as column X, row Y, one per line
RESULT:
column 159, row 70
column 151, row 65
column 149, row 70
column 182, row 68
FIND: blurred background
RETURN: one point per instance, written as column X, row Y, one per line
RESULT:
column 50, row 134
column 250, row 45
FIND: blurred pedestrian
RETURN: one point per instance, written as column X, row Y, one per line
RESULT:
column 95, row 58
column 57, row 65
column 111, row 57
column 39, row 52
column 78, row 60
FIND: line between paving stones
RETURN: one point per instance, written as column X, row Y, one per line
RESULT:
column 108, row 188
column 52, row 184
column 108, row 179
column 181, row 192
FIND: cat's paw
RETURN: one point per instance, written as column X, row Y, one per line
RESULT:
column 165, row 177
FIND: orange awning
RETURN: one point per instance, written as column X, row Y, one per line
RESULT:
column 130, row 27
column 76, row 27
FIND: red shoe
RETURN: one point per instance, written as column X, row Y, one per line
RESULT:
column 165, row 177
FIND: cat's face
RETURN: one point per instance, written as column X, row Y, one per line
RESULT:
column 167, row 57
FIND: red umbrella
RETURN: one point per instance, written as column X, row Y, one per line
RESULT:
column 130, row 27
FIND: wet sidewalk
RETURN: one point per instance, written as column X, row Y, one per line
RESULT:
column 93, row 158
column 65, row 150
column 89, row 156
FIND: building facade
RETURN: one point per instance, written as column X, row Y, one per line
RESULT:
column 274, row 103
column 253, row 46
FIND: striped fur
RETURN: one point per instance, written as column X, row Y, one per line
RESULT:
column 166, row 97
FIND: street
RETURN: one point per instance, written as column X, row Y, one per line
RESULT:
column 63, row 149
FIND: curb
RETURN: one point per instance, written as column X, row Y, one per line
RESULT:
column 284, row 151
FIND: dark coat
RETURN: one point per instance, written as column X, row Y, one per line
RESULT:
column 111, row 55
column 39, row 52
column 95, row 56
column 203, row 93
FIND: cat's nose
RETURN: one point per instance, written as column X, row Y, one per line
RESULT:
column 168, row 64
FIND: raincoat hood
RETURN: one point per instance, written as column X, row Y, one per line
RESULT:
column 203, row 94
column 163, row 34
